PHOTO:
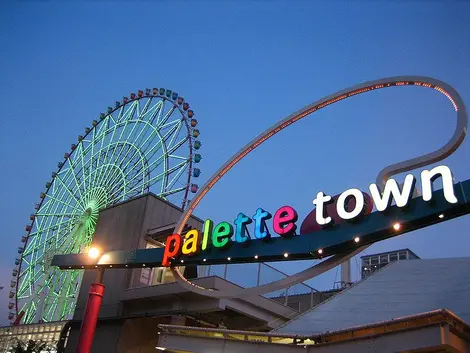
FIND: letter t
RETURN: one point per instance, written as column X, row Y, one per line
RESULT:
column 240, row 228
column 319, row 202
column 260, row 217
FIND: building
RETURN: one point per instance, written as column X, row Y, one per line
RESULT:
column 398, row 306
column 374, row 262
column 408, row 306
column 136, row 301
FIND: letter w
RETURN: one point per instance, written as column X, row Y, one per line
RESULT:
column 391, row 189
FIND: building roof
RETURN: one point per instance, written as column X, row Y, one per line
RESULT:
column 400, row 289
column 389, row 252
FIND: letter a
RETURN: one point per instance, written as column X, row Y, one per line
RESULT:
column 191, row 242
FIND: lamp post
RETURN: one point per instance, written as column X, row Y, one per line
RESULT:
column 92, row 309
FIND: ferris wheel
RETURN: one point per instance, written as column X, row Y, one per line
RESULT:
column 145, row 143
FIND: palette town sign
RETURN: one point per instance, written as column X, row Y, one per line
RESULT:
column 284, row 221
column 339, row 228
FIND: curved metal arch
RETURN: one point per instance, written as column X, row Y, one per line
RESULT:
column 443, row 152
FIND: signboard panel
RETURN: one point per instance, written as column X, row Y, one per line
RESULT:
column 331, row 240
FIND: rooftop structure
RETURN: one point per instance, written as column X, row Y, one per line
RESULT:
column 374, row 262
column 404, row 288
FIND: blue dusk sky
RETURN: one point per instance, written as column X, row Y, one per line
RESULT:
column 242, row 66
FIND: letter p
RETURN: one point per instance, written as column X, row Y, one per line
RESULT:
column 172, row 248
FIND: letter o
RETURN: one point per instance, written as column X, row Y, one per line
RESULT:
column 341, row 204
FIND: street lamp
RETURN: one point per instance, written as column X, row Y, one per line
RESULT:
column 92, row 310
column 94, row 253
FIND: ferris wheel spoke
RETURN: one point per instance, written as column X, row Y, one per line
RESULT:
column 130, row 112
column 31, row 247
column 101, row 127
column 144, row 127
column 137, row 108
column 160, row 112
column 40, row 214
column 176, row 134
column 144, row 110
column 26, row 309
column 160, row 144
column 113, row 155
column 177, row 157
column 165, row 118
column 154, row 179
column 116, row 187
column 180, row 143
column 154, row 112
column 120, row 113
column 135, row 151
column 55, row 283
column 54, row 227
column 51, row 222
column 182, row 168
column 71, row 288
column 92, row 147
column 24, row 282
column 149, row 169
column 101, row 153
column 81, row 157
column 114, row 176
column 63, row 202
column 138, row 151
column 170, row 124
column 69, row 191
column 174, row 191
column 67, row 176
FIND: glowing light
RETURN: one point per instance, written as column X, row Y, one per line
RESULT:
column 204, row 260
column 356, row 239
column 396, row 226
column 105, row 258
column 256, row 256
column 286, row 254
column 182, row 261
column 229, row 258
column 320, row 251
column 441, row 216
column 94, row 253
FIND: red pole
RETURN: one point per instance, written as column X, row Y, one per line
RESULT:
column 92, row 310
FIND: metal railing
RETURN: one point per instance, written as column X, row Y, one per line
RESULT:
column 300, row 296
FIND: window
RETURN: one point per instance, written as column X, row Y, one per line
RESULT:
column 384, row 259
column 366, row 261
column 374, row 260
column 393, row 257
column 402, row 255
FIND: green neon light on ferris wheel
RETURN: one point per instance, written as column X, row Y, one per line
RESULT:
column 141, row 145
